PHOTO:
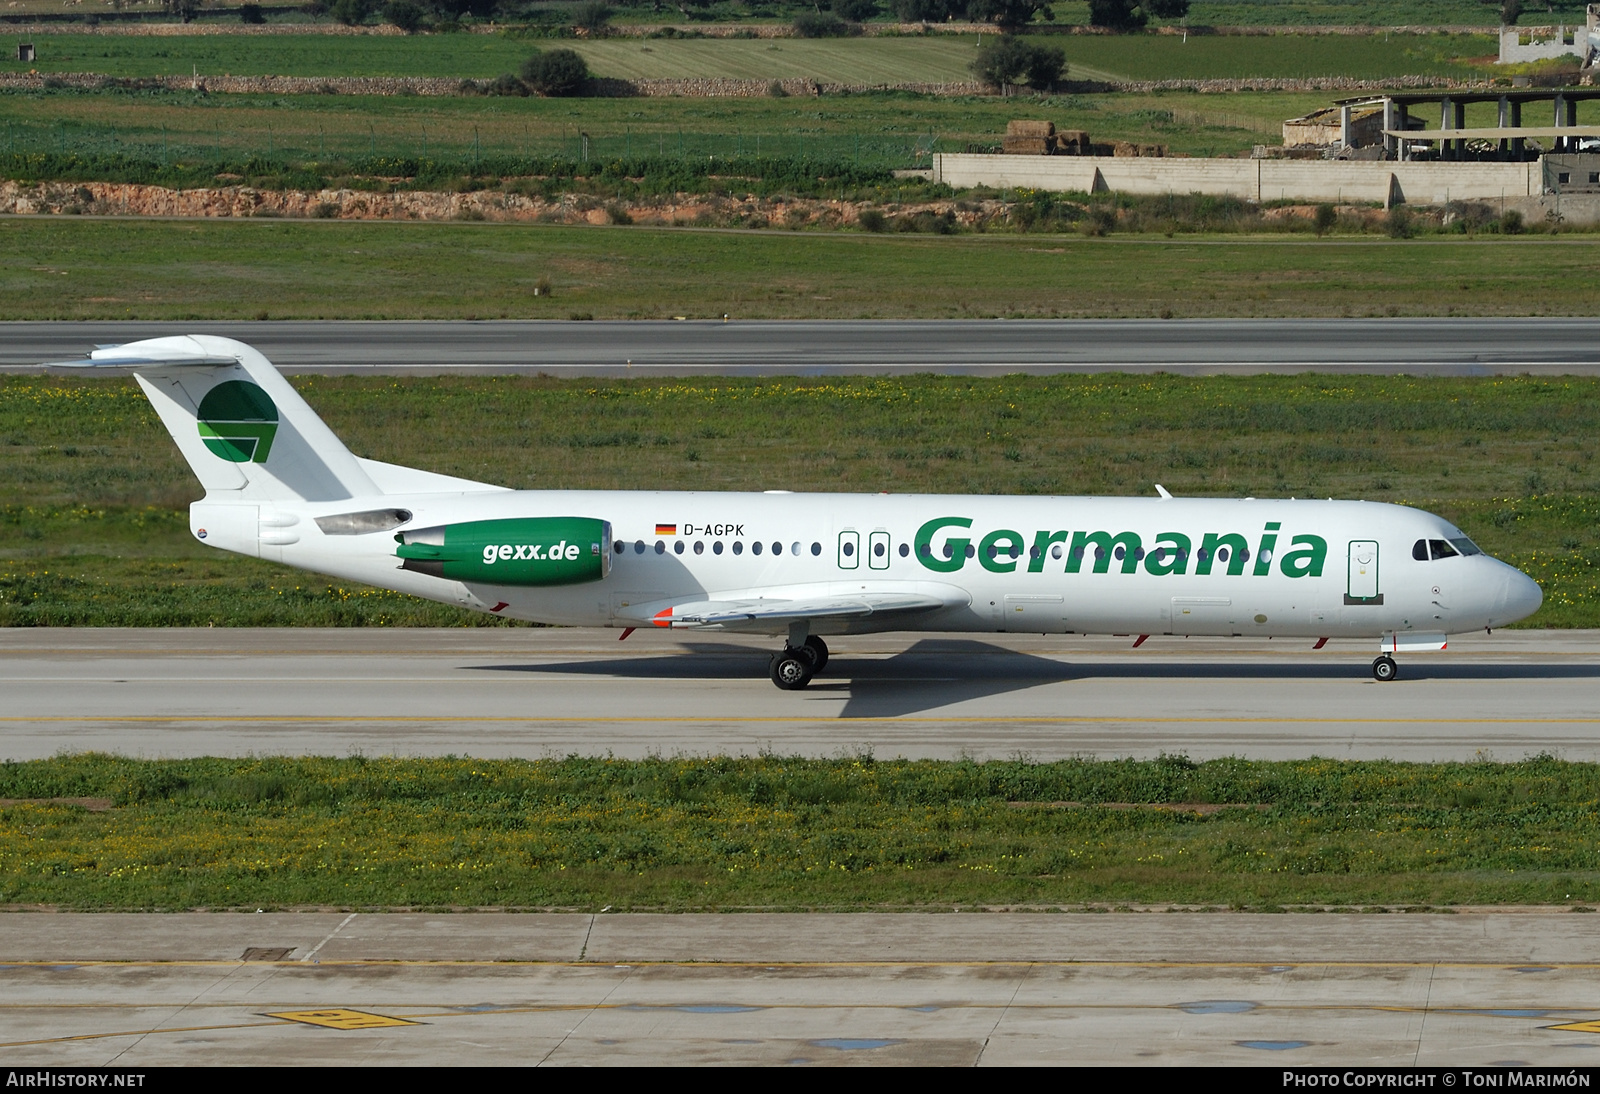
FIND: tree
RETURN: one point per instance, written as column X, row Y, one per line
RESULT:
column 556, row 73
column 251, row 13
column 929, row 11
column 1510, row 12
column 1009, row 14
column 592, row 15
column 1045, row 67
column 1166, row 9
column 1010, row 60
column 855, row 11
column 1116, row 14
column 408, row 15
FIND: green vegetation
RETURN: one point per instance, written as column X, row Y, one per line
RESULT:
column 94, row 530
column 890, row 129
column 80, row 268
column 910, row 59
column 1168, row 57
column 793, row 833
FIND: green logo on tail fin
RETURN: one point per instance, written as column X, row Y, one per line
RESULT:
column 238, row 421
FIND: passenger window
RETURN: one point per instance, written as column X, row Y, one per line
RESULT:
column 1419, row 550
column 1440, row 548
column 905, row 550
column 738, row 548
column 716, row 548
column 699, row 547
column 755, row 548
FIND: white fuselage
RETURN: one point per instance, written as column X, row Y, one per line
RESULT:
column 1024, row 564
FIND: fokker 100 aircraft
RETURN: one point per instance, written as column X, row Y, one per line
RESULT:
column 280, row 486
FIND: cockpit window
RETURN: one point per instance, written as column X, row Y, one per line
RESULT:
column 1466, row 546
column 1419, row 550
column 1440, row 548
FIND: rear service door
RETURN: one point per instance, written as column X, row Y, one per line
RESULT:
column 1362, row 586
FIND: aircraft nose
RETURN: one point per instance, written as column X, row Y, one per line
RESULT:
column 1520, row 598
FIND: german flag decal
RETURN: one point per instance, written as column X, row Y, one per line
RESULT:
column 666, row 529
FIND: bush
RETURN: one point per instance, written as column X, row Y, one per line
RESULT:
column 1166, row 9
column 1324, row 220
column 1511, row 223
column 408, row 15
column 251, row 13
column 826, row 25
column 872, row 220
column 555, row 73
column 856, row 11
column 351, row 13
column 775, row 89
column 592, row 15
column 1398, row 223
column 1009, row 60
column 505, row 84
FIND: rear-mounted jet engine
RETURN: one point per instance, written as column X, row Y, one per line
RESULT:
column 520, row 551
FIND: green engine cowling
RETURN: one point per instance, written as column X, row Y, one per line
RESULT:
column 516, row 551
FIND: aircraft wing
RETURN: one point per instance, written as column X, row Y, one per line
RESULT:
column 770, row 610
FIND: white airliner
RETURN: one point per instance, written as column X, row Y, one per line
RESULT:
column 280, row 486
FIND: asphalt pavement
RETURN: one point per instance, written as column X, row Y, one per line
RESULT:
column 1451, row 346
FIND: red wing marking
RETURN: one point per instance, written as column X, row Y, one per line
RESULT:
column 500, row 607
column 663, row 618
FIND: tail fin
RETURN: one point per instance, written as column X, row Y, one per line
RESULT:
column 244, row 430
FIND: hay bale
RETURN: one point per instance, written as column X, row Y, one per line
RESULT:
column 1024, row 128
column 1027, row 146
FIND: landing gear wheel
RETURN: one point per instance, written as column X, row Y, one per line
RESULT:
column 1384, row 669
column 791, row 669
column 818, row 650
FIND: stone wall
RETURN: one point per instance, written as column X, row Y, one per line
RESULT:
column 1250, row 180
column 127, row 199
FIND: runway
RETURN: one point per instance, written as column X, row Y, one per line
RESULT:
column 536, row 692
column 140, row 990
column 1448, row 346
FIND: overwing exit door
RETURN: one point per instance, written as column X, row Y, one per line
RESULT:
column 1362, row 582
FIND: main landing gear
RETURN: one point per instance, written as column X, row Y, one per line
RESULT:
column 793, row 667
column 1384, row 669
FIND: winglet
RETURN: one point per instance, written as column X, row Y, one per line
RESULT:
column 1162, row 490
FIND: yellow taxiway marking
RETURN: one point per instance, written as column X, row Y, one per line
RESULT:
column 1579, row 1027
column 340, row 1018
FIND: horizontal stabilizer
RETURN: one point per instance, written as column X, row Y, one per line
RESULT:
column 136, row 357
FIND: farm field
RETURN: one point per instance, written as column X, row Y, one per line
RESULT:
column 845, row 60
column 94, row 530
column 888, row 128
column 784, row 832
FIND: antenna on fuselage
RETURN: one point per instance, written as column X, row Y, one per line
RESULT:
column 1162, row 490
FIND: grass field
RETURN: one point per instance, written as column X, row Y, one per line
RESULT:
column 681, row 834
column 82, row 268
column 891, row 127
column 94, row 529
column 846, row 60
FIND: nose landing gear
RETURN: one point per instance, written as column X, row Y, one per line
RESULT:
column 793, row 667
column 1384, row 669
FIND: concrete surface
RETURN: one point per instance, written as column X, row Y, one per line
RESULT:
column 1456, row 346
column 1008, row 988
column 527, row 692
